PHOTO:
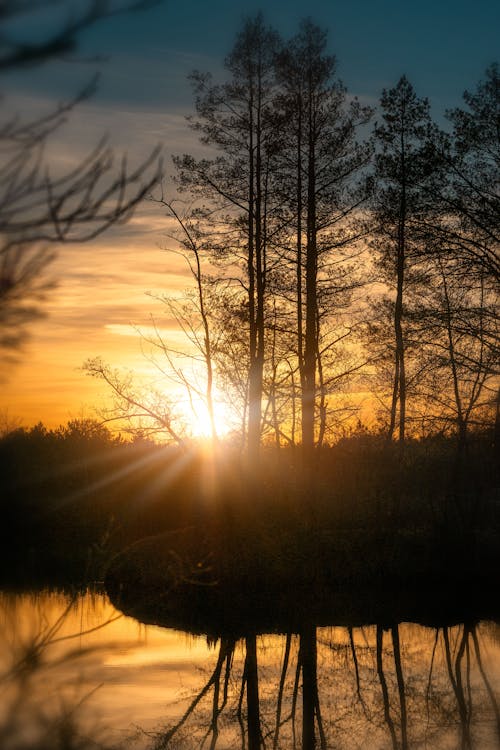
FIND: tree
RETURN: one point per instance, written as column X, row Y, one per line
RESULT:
column 63, row 40
column 461, row 251
column 457, row 327
column 402, row 167
column 236, row 119
column 193, row 318
column 38, row 209
column 321, row 158
column 285, row 175
column 141, row 411
column 470, row 221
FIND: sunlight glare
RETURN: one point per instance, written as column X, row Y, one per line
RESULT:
column 196, row 417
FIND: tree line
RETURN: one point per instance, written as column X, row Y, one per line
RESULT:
column 74, row 496
column 335, row 250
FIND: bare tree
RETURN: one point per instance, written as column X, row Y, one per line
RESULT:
column 40, row 209
column 190, row 238
column 456, row 323
column 139, row 410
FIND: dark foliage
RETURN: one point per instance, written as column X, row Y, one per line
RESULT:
column 75, row 497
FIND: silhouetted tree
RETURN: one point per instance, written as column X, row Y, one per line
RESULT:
column 458, row 255
column 470, row 225
column 236, row 118
column 192, row 315
column 320, row 161
column 62, row 40
column 402, row 166
column 457, row 325
column 139, row 410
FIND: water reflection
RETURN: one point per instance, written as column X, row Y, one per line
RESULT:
column 391, row 686
column 400, row 687
column 77, row 674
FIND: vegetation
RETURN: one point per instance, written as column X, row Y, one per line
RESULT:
column 41, row 207
column 330, row 269
column 76, row 496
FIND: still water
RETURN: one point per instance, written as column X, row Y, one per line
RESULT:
column 76, row 673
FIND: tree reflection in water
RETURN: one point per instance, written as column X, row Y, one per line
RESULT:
column 388, row 686
column 396, row 686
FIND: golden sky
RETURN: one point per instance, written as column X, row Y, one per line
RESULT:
column 101, row 295
column 102, row 287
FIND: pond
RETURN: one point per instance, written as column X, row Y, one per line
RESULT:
column 77, row 673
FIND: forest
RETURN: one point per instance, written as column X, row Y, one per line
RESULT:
column 78, row 501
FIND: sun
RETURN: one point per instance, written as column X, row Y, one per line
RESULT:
column 195, row 417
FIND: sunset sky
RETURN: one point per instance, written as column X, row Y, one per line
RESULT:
column 143, row 98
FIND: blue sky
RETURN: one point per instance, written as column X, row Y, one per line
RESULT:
column 443, row 47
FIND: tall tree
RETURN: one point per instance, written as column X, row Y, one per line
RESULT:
column 402, row 167
column 236, row 118
column 471, row 202
column 461, row 250
column 321, row 158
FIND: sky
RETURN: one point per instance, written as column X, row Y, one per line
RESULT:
column 100, row 300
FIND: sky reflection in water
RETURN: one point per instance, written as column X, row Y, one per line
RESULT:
column 131, row 676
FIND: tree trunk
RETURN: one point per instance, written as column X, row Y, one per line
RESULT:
column 310, row 343
column 252, row 679
column 398, row 310
column 309, row 686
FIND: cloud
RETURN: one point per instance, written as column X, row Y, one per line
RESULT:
column 140, row 332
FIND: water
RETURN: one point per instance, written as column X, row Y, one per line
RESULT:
column 76, row 671
column 84, row 653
